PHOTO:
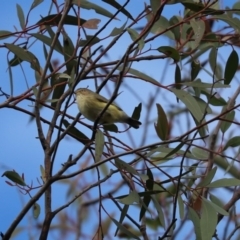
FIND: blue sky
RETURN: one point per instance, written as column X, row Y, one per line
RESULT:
column 20, row 149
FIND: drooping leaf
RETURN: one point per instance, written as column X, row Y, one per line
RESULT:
column 195, row 68
column 58, row 84
column 69, row 53
column 207, row 179
column 162, row 127
column 118, row 6
column 99, row 145
column 178, row 78
column 208, row 221
column 225, row 125
column 124, row 229
column 190, row 103
column 25, row 55
column 231, row 67
column 198, row 27
column 36, row 210
column 134, row 36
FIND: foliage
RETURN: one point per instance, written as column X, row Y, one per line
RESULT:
column 116, row 182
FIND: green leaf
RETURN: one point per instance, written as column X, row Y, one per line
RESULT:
column 123, row 165
column 199, row 84
column 197, row 7
column 124, row 230
column 231, row 67
column 130, row 199
column 76, row 133
column 92, row 6
column 155, row 4
column 25, row 56
column 146, row 202
column 213, row 100
column 122, row 216
column 175, row 20
column 36, row 210
column 224, row 182
column 134, row 36
column 150, row 180
column 159, row 211
column 140, row 75
column 208, row 221
column 195, row 68
column 233, row 142
column 90, row 40
column 199, row 29
column 117, row 31
column 118, row 6
column 161, row 25
column 162, row 128
column 69, row 53
column 200, row 153
column 46, row 40
column 99, row 142
column 3, row 34
column 54, row 19
column 178, row 78
column 170, row 52
column 229, row 116
column 35, row 3
column 181, row 207
column 203, row 105
column 207, row 179
column 58, row 84
column 190, row 103
column 52, row 35
column 233, row 22
column 21, row 17
column 216, row 207
column 14, row 177
column 193, row 216
column 216, row 200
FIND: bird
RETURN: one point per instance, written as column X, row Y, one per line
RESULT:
column 91, row 104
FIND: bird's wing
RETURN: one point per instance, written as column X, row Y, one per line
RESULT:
column 104, row 100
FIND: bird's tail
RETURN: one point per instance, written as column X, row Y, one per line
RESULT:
column 133, row 122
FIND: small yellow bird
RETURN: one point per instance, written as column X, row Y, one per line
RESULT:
column 91, row 104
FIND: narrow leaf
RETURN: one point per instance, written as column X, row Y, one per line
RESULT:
column 190, row 103
column 162, row 128
column 21, row 17
column 231, row 67
column 224, row 182
column 99, row 142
